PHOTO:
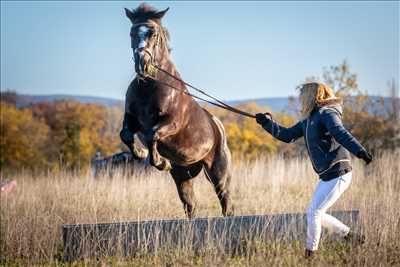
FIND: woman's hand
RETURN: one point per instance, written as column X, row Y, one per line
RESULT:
column 262, row 118
column 364, row 155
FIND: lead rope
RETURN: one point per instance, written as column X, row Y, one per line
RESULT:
column 244, row 113
column 219, row 103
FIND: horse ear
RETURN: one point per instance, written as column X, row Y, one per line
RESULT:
column 129, row 14
column 160, row 14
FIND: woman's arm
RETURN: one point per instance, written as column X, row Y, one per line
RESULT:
column 283, row 134
column 333, row 123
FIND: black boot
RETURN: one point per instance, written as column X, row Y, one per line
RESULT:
column 355, row 238
column 309, row 254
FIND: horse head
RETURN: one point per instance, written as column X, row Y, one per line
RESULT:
column 148, row 37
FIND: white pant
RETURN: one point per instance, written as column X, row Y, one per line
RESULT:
column 324, row 197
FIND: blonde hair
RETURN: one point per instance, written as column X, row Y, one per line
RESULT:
column 314, row 94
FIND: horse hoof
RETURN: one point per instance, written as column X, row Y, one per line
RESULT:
column 165, row 165
column 229, row 213
column 168, row 167
column 142, row 153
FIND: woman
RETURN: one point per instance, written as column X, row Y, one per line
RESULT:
column 328, row 144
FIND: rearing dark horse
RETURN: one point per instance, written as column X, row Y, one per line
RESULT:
column 180, row 135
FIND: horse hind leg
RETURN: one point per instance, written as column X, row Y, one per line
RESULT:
column 183, row 177
column 219, row 172
column 221, row 179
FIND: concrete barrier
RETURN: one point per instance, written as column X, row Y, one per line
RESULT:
column 229, row 234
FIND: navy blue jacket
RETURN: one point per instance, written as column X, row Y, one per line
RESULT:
column 328, row 142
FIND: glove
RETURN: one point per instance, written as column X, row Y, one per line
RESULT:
column 262, row 118
column 364, row 155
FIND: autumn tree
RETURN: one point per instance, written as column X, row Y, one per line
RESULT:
column 9, row 97
column 79, row 130
column 393, row 118
column 365, row 116
column 23, row 139
column 246, row 139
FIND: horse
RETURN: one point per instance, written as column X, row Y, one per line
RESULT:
column 181, row 137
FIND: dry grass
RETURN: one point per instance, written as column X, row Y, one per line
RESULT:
column 32, row 214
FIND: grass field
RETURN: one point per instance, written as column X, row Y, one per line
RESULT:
column 32, row 214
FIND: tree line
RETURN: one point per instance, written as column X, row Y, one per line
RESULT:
column 66, row 134
column 56, row 135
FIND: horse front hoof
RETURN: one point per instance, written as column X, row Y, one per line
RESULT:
column 165, row 165
column 142, row 153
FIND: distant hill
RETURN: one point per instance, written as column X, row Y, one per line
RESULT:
column 276, row 104
column 24, row 100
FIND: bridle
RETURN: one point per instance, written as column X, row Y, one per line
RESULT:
column 149, row 71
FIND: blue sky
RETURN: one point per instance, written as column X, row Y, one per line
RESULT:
column 234, row 50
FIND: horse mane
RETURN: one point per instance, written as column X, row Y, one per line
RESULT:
column 165, row 37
